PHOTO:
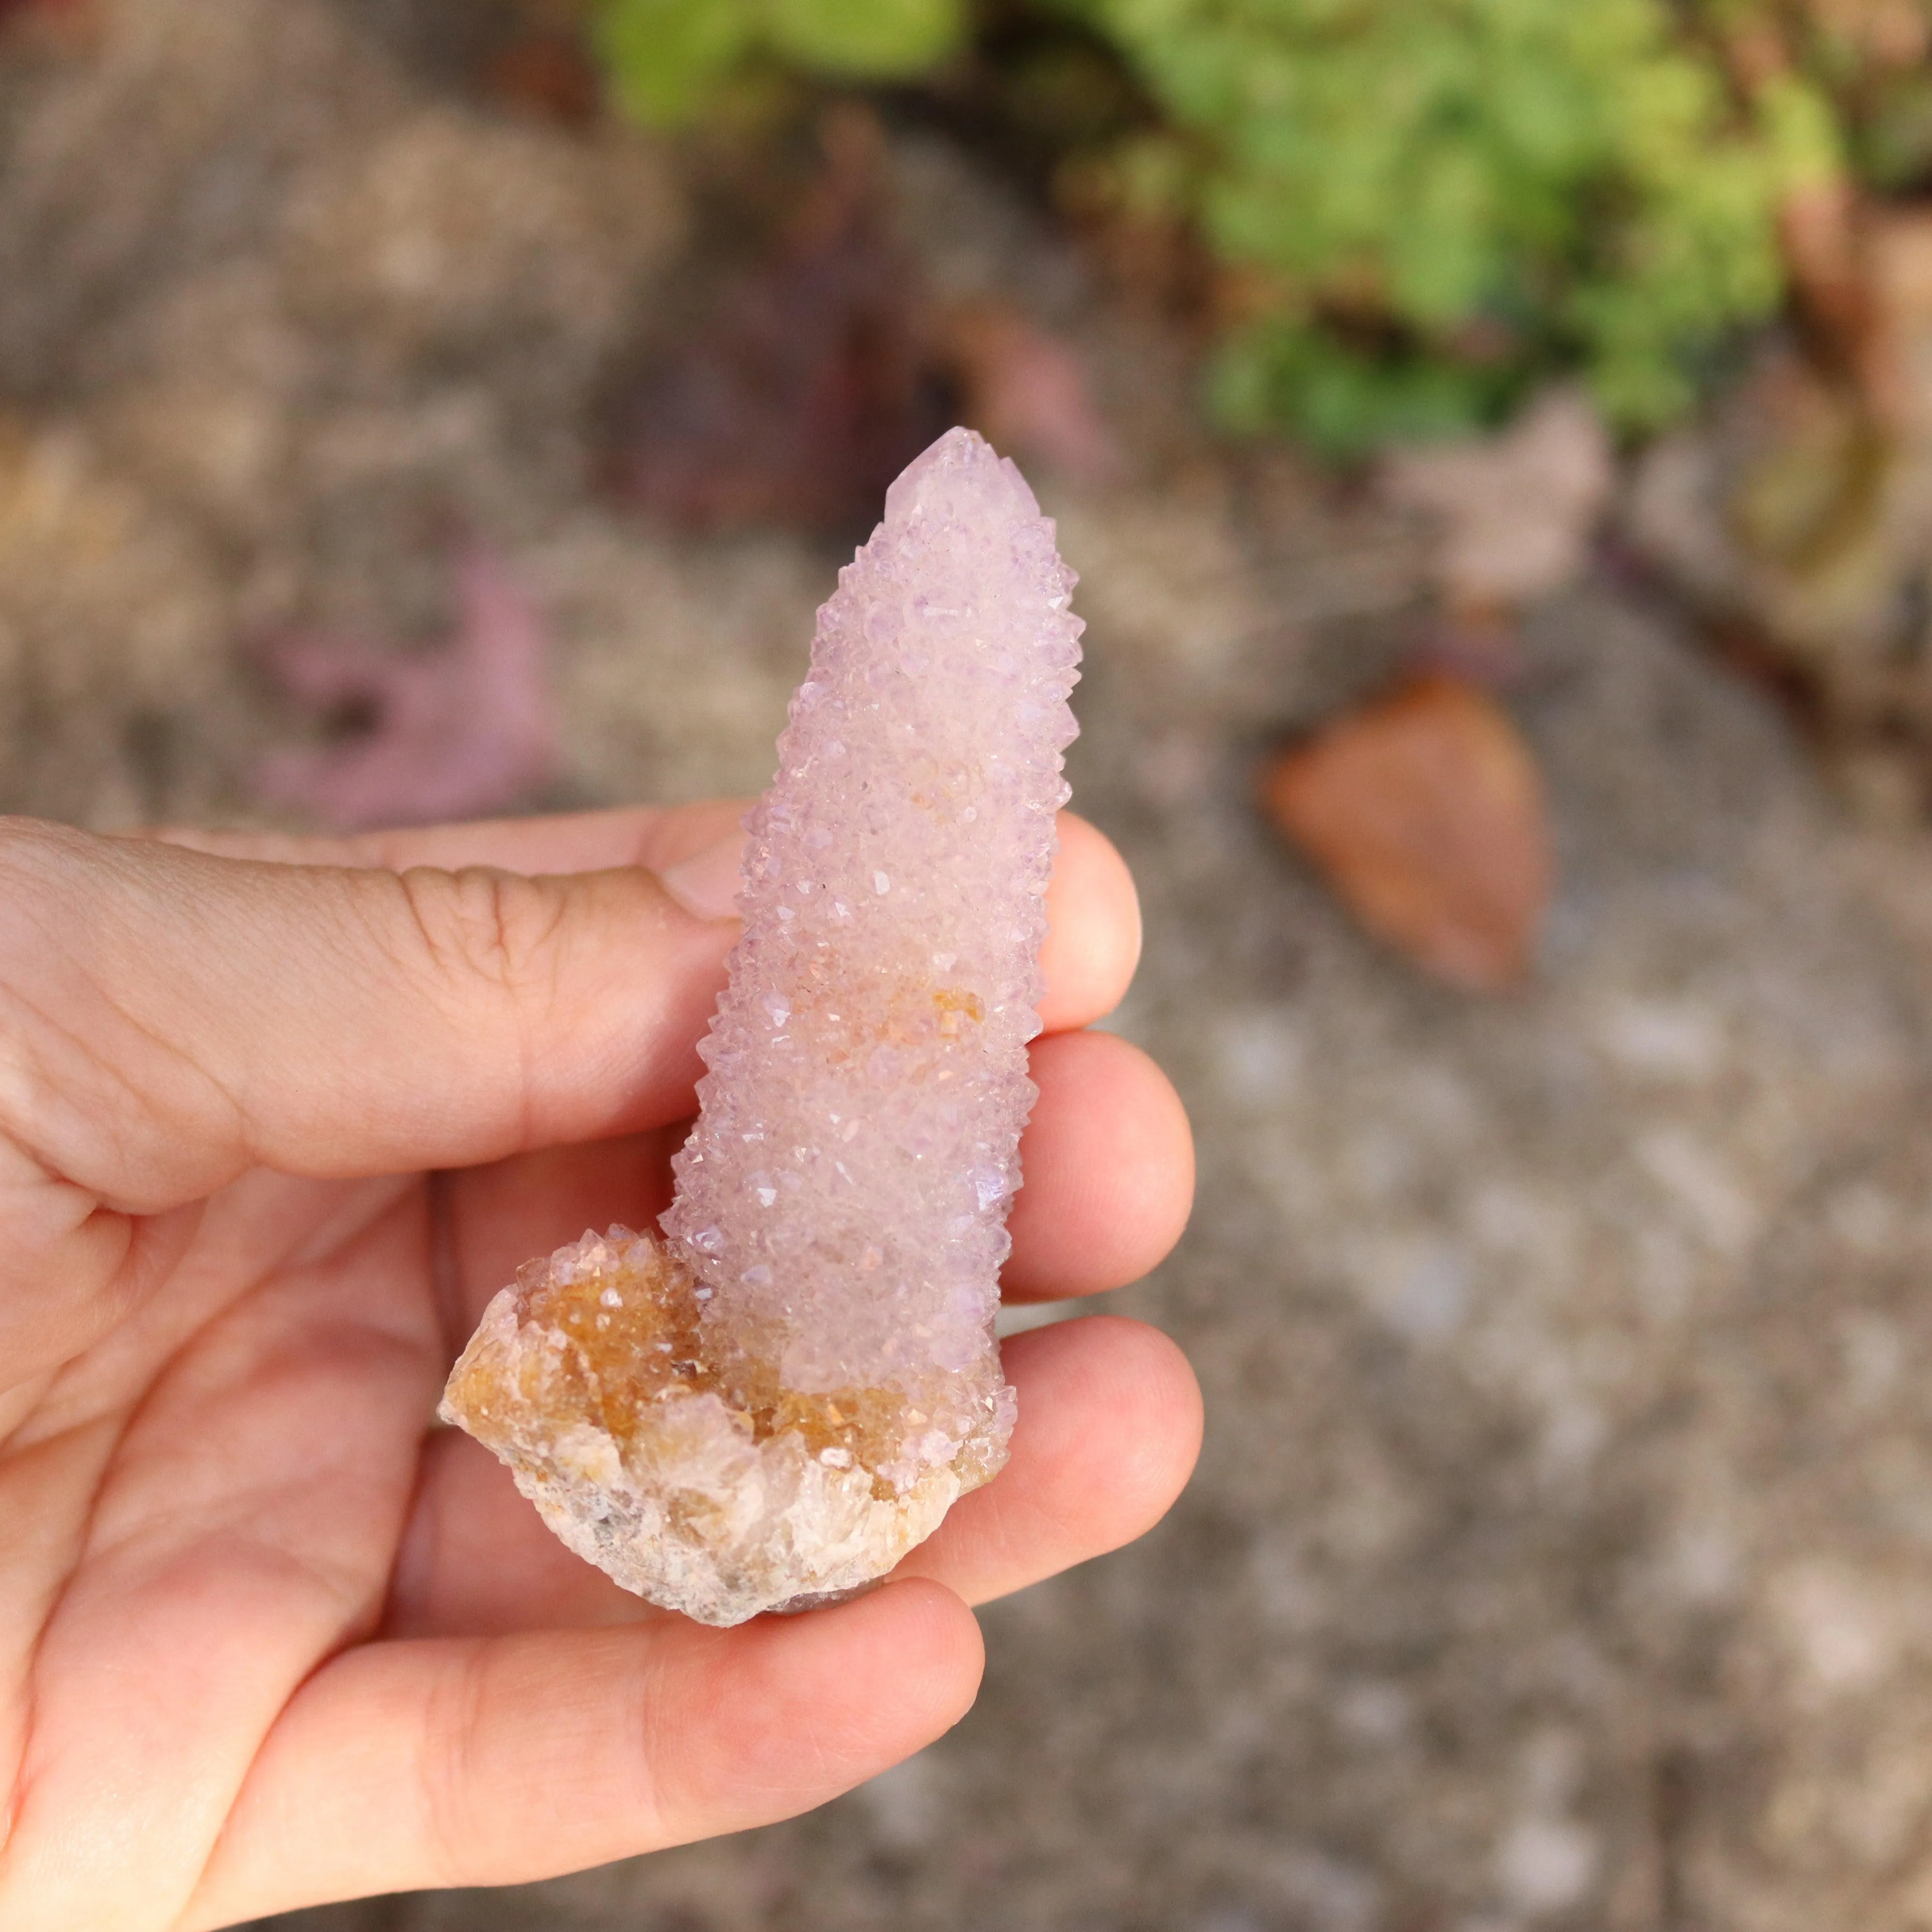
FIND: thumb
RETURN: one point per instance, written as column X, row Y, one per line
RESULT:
column 170, row 1019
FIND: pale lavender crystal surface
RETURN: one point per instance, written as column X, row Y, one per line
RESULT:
column 845, row 1194
column 839, row 1222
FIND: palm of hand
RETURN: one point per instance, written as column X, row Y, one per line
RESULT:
column 265, row 1638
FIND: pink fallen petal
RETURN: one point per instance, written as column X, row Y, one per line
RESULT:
column 469, row 729
column 1027, row 390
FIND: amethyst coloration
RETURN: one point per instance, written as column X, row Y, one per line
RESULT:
column 844, row 1193
column 789, row 1393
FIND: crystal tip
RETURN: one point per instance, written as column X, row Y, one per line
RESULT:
column 962, row 473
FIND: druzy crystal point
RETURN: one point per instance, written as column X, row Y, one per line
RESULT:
column 777, row 1400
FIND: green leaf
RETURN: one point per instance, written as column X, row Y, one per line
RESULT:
column 1576, row 183
column 1344, row 403
column 866, row 39
column 665, row 57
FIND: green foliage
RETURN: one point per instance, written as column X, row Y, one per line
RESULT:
column 1494, row 187
column 1424, row 204
column 667, row 58
column 1340, row 398
column 1868, row 58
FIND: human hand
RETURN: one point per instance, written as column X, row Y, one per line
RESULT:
column 276, row 1118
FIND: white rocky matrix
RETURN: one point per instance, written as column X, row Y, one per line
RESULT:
column 788, row 1395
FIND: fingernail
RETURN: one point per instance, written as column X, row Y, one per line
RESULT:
column 707, row 883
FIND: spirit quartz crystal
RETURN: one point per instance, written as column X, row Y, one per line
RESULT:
column 775, row 1402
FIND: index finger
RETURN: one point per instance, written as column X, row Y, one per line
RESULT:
column 1093, row 919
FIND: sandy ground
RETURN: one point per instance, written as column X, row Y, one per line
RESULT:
column 1562, row 1554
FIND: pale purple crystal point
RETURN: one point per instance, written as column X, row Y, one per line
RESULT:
column 845, row 1194
column 839, row 1226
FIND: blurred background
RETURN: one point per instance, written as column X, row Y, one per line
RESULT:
column 1495, row 437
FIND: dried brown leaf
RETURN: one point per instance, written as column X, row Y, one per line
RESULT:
column 548, row 74
column 1425, row 810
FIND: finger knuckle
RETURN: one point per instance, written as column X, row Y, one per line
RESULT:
column 479, row 924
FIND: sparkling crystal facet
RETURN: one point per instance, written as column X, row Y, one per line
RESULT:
column 777, row 1401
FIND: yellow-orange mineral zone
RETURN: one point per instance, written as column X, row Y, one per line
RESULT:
column 612, row 1338
column 777, row 1400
